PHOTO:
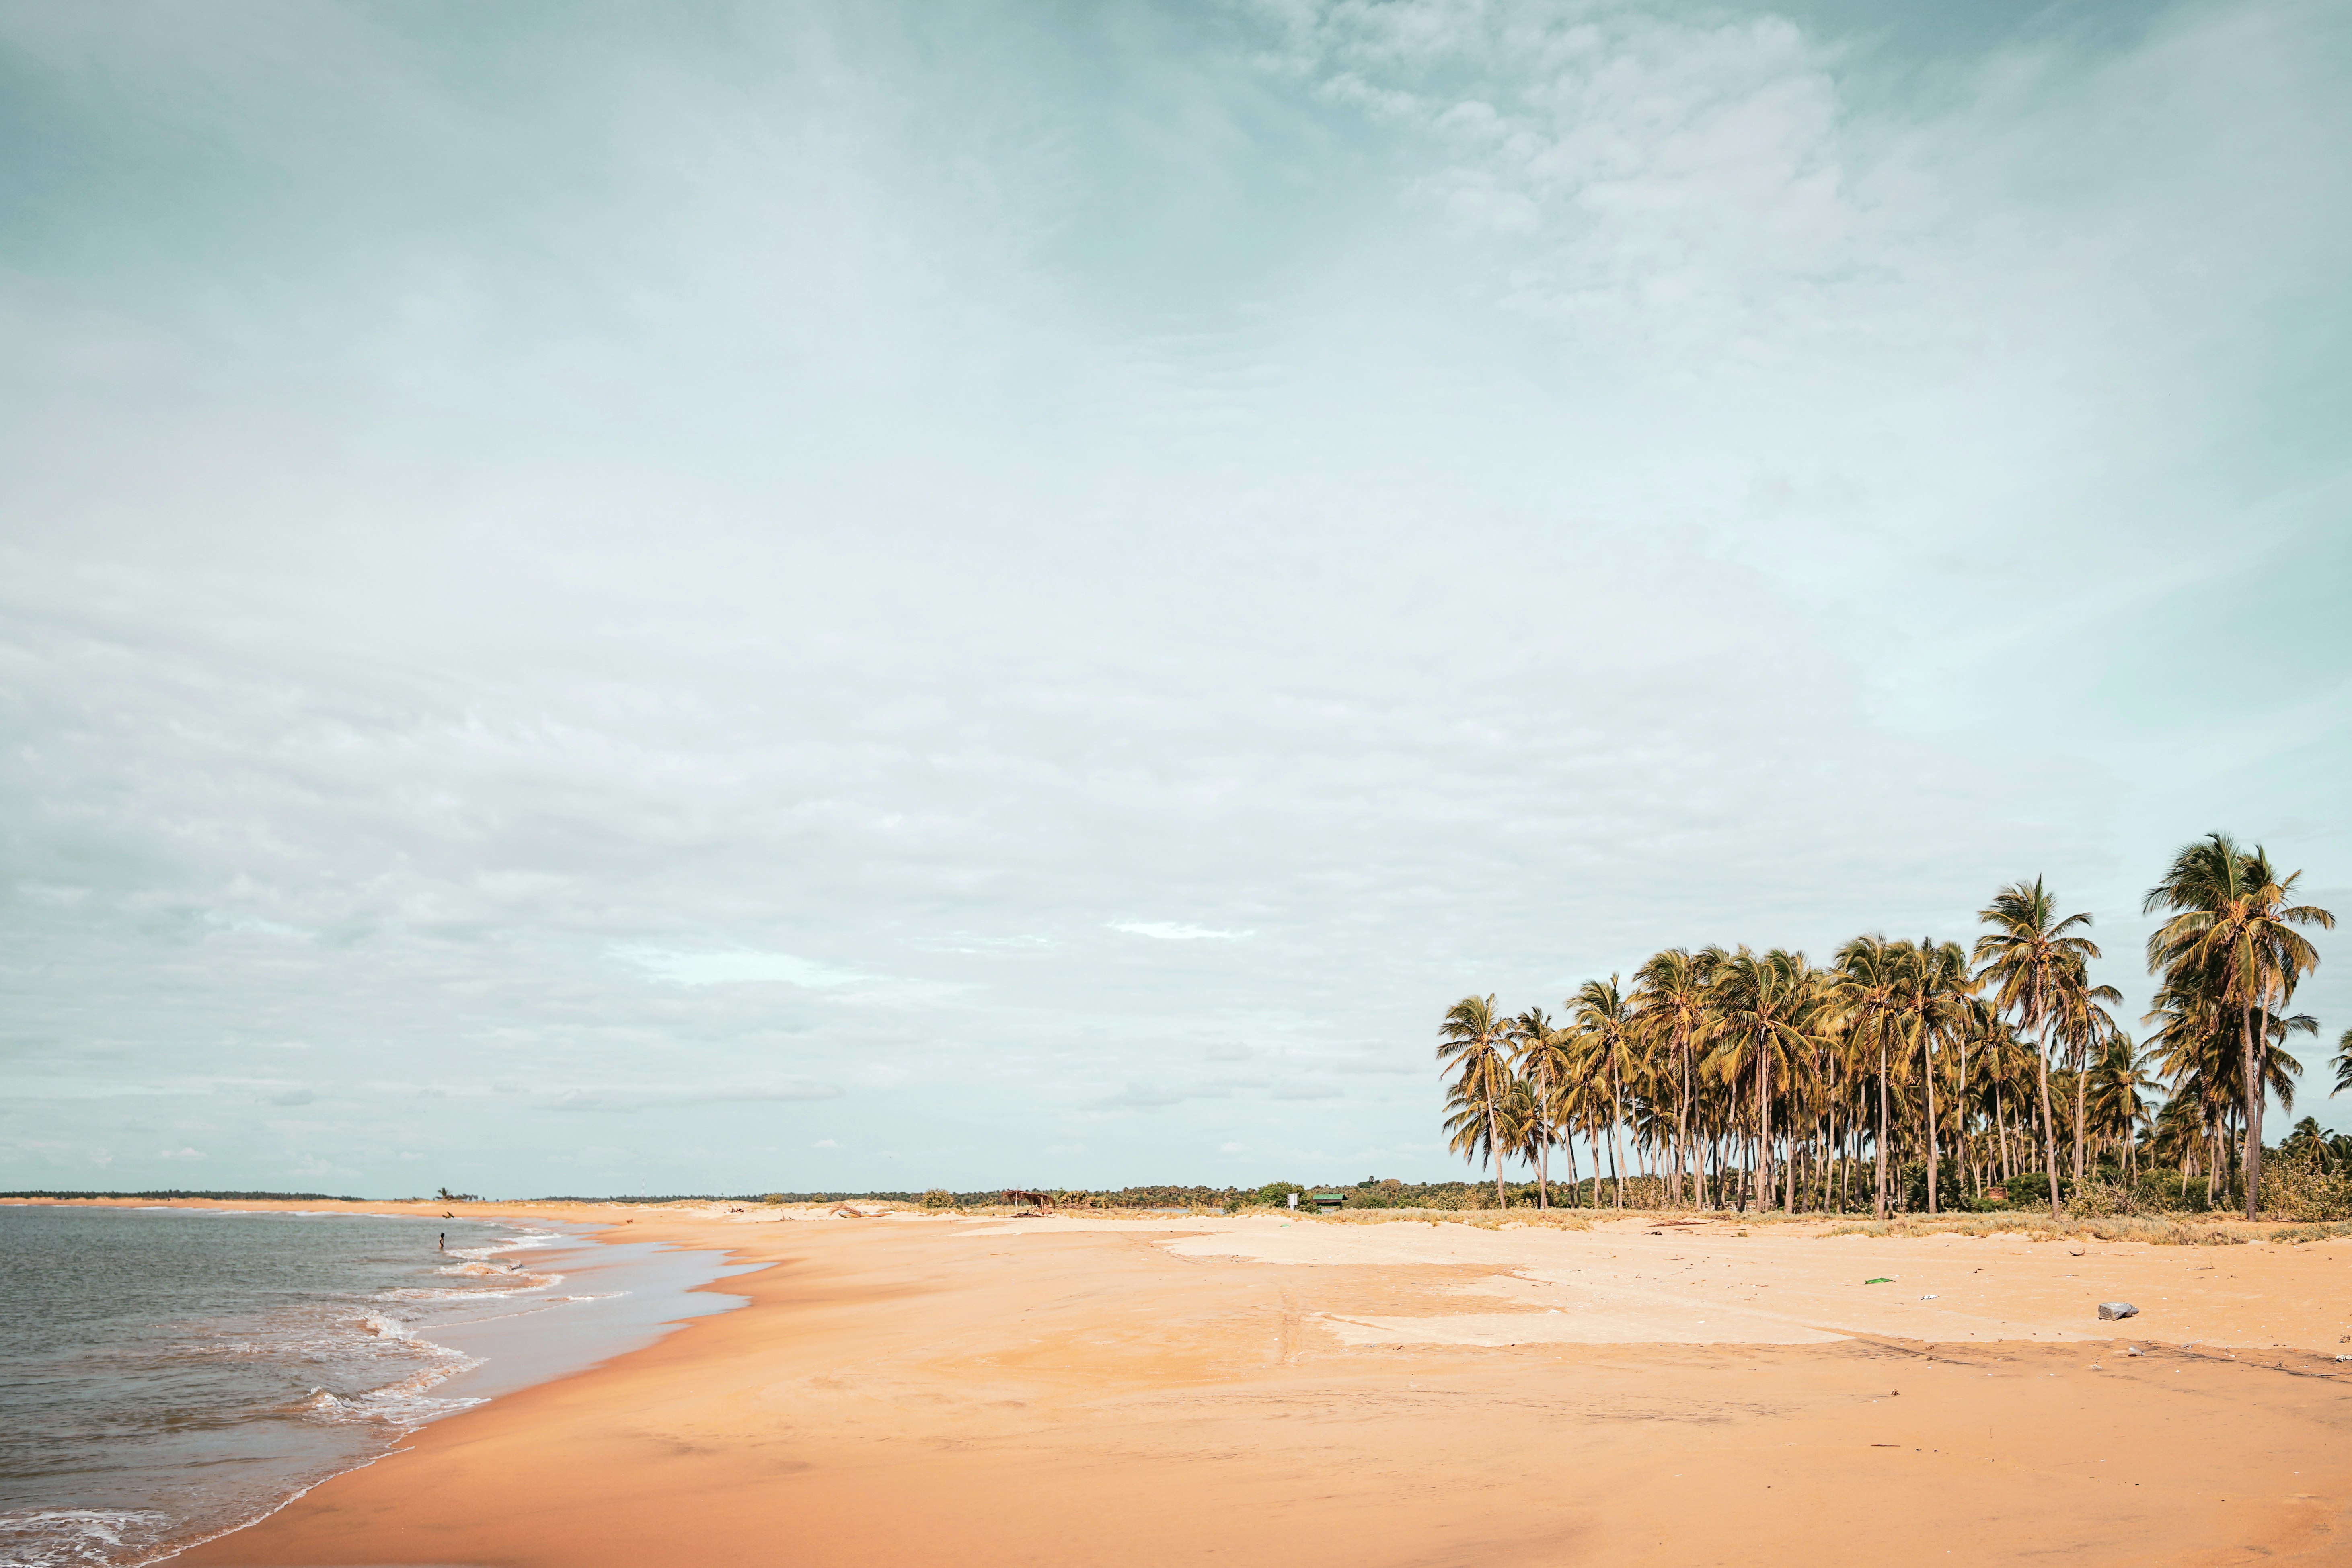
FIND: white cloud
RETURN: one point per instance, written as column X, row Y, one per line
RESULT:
column 1172, row 931
column 630, row 1098
column 737, row 968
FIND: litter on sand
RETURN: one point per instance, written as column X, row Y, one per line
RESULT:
column 2117, row 1309
column 2132, row 1350
column 1881, row 1280
column 1929, row 1297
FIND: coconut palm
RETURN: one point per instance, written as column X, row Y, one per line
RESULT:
column 2118, row 1103
column 1934, row 998
column 2197, row 1045
column 1605, row 1024
column 2086, row 1028
column 2343, row 1063
column 2232, row 933
column 2034, row 965
column 1546, row 1064
column 1670, row 1010
column 1474, row 1041
column 1489, row 1122
column 1865, row 990
column 2004, row 1062
column 1768, row 1012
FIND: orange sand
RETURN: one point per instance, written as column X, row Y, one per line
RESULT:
column 945, row 1392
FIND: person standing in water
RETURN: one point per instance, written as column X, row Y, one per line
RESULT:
column 445, row 1243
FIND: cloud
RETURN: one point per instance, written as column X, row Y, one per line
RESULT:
column 296, row 1096
column 736, row 969
column 629, row 1099
column 1154, row 1097
column 1171, row 931
column 179, row 1154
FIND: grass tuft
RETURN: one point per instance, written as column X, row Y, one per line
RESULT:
column 2158, row 1232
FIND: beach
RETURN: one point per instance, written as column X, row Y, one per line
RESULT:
column 1080, row 1391
column 176, row 1371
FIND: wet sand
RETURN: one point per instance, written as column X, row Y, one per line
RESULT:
column 1073, row 1392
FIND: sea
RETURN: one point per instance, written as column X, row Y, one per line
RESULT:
column 168, row 1374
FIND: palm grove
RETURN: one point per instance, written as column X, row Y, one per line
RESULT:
column 1736, row 1077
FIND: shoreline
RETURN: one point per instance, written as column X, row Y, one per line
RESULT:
column 1080, row 1390
column 583, row 1294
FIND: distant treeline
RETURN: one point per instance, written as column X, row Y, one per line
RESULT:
column 1367, row 1194
column 177, row 1192
column 742, row 1197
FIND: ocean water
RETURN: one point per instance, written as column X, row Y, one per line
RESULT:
column 168, row 1374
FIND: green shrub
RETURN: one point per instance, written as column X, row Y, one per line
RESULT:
column 2099, row 1199
column 2298, row 1185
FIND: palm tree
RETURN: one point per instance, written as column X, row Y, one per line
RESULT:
column 2197, row 1044
column 2118, row 1100
column 2197, row 1048
column 1933, row 998
column 2233, row 928
column 2034, row 968
column 2002, row 1058
column 2085, row 1027
column 1473, row 1041
column 2343, row 1064
column 1670, row 1009
column 1766, row 1009
column 1605, row 1023
column 1484, row 1126
column 1865, row 990
column 1546, row 1066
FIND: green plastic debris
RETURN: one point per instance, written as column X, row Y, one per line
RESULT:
column 1881, row 1280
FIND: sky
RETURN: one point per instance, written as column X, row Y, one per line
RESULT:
column 599, row 599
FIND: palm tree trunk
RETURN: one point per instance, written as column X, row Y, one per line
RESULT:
column 2081, row 1113
column 1881, row 1123
column 1682, row 1107
column 2255, row 1094
column 1616, row 1121
column 1961, row 1121
column 2049, row 1128
column 1845, row 1165
column 1495, row 1146
column 2001, row 1122
column 1829, row 1163
column 1543, row 1163
column 1928, row 1072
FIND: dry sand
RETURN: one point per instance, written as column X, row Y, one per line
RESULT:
column 909, row 1390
